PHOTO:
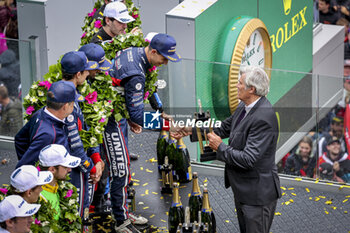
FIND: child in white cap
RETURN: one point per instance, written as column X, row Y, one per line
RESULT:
column 26, row 181
column 16, row 214
column 56, row 159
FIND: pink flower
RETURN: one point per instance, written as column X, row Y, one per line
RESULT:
column 37, row 222
column 147, row 40
column 106, row 73
column 91, row 97
column 46, row 84
column 92, row 13
column 4, row 191
column 102, row 120
column 69, row 193
column 30, row 110
column 38, row 167
column 146, row 95
column 84, row 34
column 152, row 69
column 98, row 24
column 112, row 110
column 134, row 15
column 109, row 101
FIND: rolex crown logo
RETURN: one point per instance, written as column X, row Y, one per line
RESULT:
column 287, row 4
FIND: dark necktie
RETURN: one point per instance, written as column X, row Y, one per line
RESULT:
column 240, row 118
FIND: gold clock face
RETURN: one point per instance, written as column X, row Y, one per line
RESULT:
column 253, row 48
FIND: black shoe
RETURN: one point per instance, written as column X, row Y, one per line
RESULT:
column 133, row 156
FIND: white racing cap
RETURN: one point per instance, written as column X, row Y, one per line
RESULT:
column 15, row 206
column 118, row 11
column 27, row 177
column 55, row 154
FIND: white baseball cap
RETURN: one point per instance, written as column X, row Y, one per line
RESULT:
column 54, row 155
column 118, row 11
column 15, row 206
column 27, row 177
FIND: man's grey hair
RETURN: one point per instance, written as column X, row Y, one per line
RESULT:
column 256, row 77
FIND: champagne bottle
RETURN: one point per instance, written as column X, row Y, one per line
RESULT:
column 161, row 146
column 207, row 215
column 195, row 200
column 176, row 211
column 183, row 164
column 170, row 151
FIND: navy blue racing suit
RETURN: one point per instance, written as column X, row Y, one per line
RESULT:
column 80, row 175
column 130, row 67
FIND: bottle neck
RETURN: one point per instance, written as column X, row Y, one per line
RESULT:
column 206, row 206
column 195, row 187
column 176, row 197
column 180, row 144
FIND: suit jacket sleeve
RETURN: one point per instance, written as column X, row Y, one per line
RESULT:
column 259, row 138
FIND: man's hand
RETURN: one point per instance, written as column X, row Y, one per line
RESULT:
column 214, row 141
column 178, row 132
column 336, row 166
column 135, row 128
column 344, row 10
column 99, row 169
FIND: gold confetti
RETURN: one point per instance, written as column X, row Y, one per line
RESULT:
column 328, row 202
column 161, row 198
column 136, row 184
column 283, row 188
column 310, row 198
column 205, row 181
column 227, row 221
column 145, row 208
column 317, row 198
column 323, row 197
column 147, row 170
column 167, row 213
column 233, row 28
column 348, row 196
column 145, row 184
column 317, row 180
column 155, row 193
column 135, row 180
column 162, row 220
column 291, row 200
column 161, row 180
column 142, row 194
column 307, row 190
column 189, row 195
column 345, row 200
column 151, row 216
column 183, row 6
column 326, row 212
column 202, row 10
column 283, row 194
column 133, row 174
column 290, row 188
column 334, row 207
column 153, row 160
column 278, row 214
column 345, row 211
column 298, row 179
column 287, row 203
column 146, row 192
column 293, row 194
column 141, row 168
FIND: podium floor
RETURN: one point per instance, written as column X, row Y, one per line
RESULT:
column 297, row 211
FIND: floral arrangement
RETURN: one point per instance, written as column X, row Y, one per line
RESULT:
column 102, row 99
column 44, row 221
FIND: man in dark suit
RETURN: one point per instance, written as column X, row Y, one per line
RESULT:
column 249, row 157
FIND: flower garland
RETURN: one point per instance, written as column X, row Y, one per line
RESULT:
column 102, row 99
column 69, row 220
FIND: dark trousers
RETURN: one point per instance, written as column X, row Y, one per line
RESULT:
column 255, row 218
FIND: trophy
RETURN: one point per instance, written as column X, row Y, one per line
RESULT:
column 167, row 177
column 206, row 153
